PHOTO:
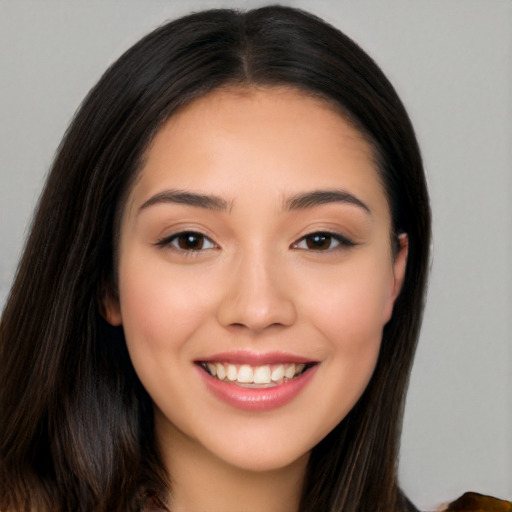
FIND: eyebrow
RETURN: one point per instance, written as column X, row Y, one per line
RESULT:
column 209, row 202
column 320, row 197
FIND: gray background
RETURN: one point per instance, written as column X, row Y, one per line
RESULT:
column 451, row 63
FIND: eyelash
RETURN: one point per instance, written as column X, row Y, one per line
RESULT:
column 322, row 237
column 319, row 238
column 173, row 240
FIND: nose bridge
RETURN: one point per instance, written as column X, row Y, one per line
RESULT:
column 258, row 294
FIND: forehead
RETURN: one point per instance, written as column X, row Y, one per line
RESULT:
column 261, row 138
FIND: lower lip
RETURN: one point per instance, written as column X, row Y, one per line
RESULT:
column 257, row 399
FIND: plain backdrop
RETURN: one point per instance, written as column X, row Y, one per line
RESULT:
column 451, row 62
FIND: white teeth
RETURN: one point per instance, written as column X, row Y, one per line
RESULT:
column 212, row 368
column 278, row 373
column 221, row 371
column 262, row 375
column 232, row 373
column 245, row 374
column 289, row 371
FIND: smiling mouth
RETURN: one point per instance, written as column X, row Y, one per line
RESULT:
column 263, row 376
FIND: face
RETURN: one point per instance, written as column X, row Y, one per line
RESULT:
column 255, row 275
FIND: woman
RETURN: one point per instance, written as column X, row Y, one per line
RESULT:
column 157, row 263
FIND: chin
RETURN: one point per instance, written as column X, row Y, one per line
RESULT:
column 264, row 461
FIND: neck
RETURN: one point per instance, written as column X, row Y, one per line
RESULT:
column 201, row 482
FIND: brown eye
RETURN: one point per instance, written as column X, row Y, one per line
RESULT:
column 190, row 241
column 187, row 241
column 322, row 242
column 318, row 241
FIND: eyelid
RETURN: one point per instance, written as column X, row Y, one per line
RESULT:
column 341, row 241
column 169, row 241
column 336, row 241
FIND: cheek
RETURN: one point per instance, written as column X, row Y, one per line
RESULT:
column 161, row 307
column 349, row 313
column 352, row 324
column 352, row 306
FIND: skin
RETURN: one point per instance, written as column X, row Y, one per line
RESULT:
column 258, row 284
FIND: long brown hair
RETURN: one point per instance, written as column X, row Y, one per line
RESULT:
column 76, row 424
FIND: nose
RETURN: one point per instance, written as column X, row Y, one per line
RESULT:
column 257, row 296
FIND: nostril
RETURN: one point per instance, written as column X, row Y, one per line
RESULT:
column 256, row 304
column 254, row 327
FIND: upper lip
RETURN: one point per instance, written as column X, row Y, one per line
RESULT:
column 254, row 358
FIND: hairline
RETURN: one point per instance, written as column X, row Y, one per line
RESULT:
column 242, row 87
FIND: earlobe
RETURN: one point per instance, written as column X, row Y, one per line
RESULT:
column 400, row 264
column 110, row 309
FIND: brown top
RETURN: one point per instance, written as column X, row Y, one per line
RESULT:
column 473, row 502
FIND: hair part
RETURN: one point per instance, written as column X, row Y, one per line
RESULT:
column 76, row 423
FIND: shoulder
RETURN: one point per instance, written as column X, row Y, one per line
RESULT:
column 474, row 502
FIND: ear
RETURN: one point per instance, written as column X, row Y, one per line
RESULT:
column 400, row 264
column 109, row 306
column 398, row 270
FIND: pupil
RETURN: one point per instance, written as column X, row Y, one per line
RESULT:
column 190, row 241
column 319, row 241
